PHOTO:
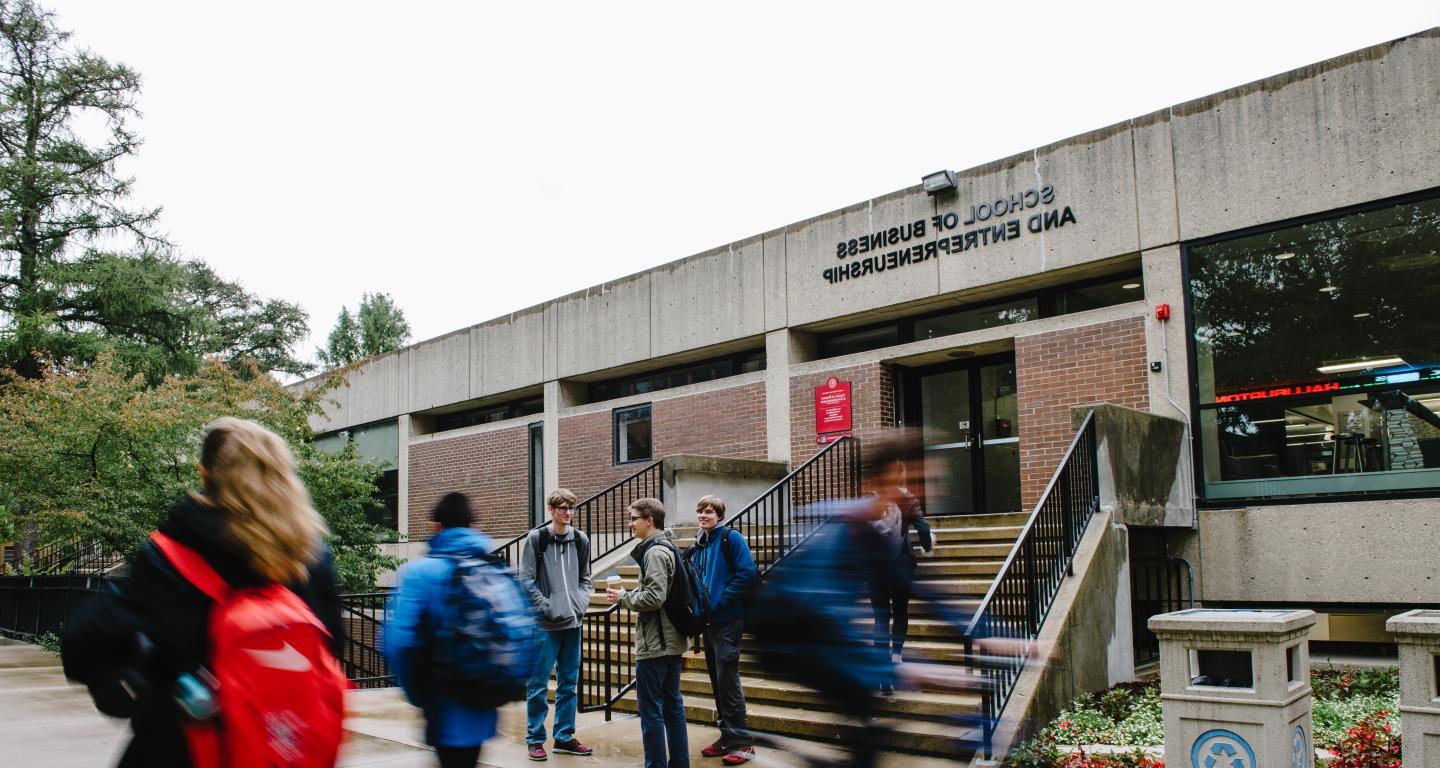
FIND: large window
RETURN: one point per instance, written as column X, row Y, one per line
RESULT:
column 1317, row 355
column 678, row 376
column 489, row 414
column 377, row 443
column 1064, row 300
column 632, row 434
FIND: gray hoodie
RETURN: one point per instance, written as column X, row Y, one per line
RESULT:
column 561, row 589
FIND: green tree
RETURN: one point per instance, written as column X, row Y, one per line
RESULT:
column 378, row 327
column 342, row 346
column 80, row 269
column 98, row 453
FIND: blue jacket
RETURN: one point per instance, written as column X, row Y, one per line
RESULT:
column 727, row 586
column 420, row 601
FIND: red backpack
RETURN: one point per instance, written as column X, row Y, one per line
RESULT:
column 280, row 690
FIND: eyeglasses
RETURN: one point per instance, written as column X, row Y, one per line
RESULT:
column 639, row 517
column 564, row 508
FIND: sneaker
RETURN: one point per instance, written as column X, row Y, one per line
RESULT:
column 572, row 747
column 717, row 749
column 740, row 755
column 537, row 752
column 887, row 690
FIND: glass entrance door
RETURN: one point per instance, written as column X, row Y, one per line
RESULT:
column 967, row 417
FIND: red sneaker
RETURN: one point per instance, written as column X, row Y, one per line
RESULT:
column 572, row 747
column 537, row 752
column 739, row 755
column 715, row 750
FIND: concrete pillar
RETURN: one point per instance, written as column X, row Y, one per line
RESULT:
column 559, row 395
column 783, row 348
column 1418, row 635
column 1235, row 687
column 402, row 481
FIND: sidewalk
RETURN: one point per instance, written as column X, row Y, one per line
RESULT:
column 45, row 722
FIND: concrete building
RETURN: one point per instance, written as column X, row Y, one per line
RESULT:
column 1262, row 265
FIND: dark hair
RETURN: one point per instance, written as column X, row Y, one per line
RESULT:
column 650, row 509
column 453, row 511
column 879, row 453
column 714, row 502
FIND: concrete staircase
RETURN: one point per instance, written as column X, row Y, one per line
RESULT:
column 969, row 552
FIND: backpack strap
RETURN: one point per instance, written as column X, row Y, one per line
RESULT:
column 192, row 567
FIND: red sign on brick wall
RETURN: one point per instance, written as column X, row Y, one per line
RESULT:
column 832, row 406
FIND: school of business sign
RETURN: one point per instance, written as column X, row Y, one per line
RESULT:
column 950, row 232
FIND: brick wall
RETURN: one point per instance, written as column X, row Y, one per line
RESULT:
column 1104, row 362
column 872, row 400
column 729, row 423
column 492, row 467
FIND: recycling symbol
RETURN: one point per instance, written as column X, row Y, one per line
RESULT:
column 1297, row 748
column 1219, row 748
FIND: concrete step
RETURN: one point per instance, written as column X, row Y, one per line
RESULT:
column 938, row 567
column 979, row 521
column 759, row 690
column 983, row 550
column 908, row 734
column 971, row 535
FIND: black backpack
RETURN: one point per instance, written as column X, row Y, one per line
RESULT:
column 687, row 605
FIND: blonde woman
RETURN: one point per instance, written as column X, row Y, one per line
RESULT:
column 253, row 525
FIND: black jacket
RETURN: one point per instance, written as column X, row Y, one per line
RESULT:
column 101, row 642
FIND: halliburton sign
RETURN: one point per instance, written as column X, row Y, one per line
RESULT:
column 832, row 407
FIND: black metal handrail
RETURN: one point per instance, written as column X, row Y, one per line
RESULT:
column 602, row 516
column 1020, row 598
column 32, row 606
column 70, row 556
column 775, row 523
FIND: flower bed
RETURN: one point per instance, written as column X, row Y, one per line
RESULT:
column 1355, row 717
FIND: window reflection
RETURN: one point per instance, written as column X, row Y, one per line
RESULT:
column 1317, row 351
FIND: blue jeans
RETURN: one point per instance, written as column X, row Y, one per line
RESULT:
column 662, row 712
column 559, row 650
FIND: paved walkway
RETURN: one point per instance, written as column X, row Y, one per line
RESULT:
column 46, row 722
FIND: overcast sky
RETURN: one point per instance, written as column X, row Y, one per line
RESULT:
column 473, row 159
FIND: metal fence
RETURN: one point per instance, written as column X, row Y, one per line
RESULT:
column 32, row 606
column 1157, row 586
column 1023, row 591
column 363, row 615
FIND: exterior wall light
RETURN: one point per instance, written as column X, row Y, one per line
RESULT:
column 938, row 182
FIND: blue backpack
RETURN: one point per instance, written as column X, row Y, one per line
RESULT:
column 485, row 657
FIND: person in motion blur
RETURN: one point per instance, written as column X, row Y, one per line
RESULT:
column 422, row 604
column 250, row 538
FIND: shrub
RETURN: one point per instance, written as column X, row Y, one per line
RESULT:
column 1371, row 743
column 1334, row 717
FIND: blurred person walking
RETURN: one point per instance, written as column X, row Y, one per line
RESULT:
column 221, row 647
column 808, row 617
column 658, row 644
column 460, row 635
column 890, row 592
column 726, row 567
column 555, row 571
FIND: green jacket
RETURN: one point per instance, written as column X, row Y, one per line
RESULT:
column 655, row 636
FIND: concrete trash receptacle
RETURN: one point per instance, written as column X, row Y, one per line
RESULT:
column 1418, row 635
column 1235, row 688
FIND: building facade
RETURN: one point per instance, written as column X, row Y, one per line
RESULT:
column 1262, row 264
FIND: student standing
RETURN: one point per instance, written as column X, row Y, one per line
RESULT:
column 419, row 606
column 555, row 570
column 658, row 644
column 723, row 560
